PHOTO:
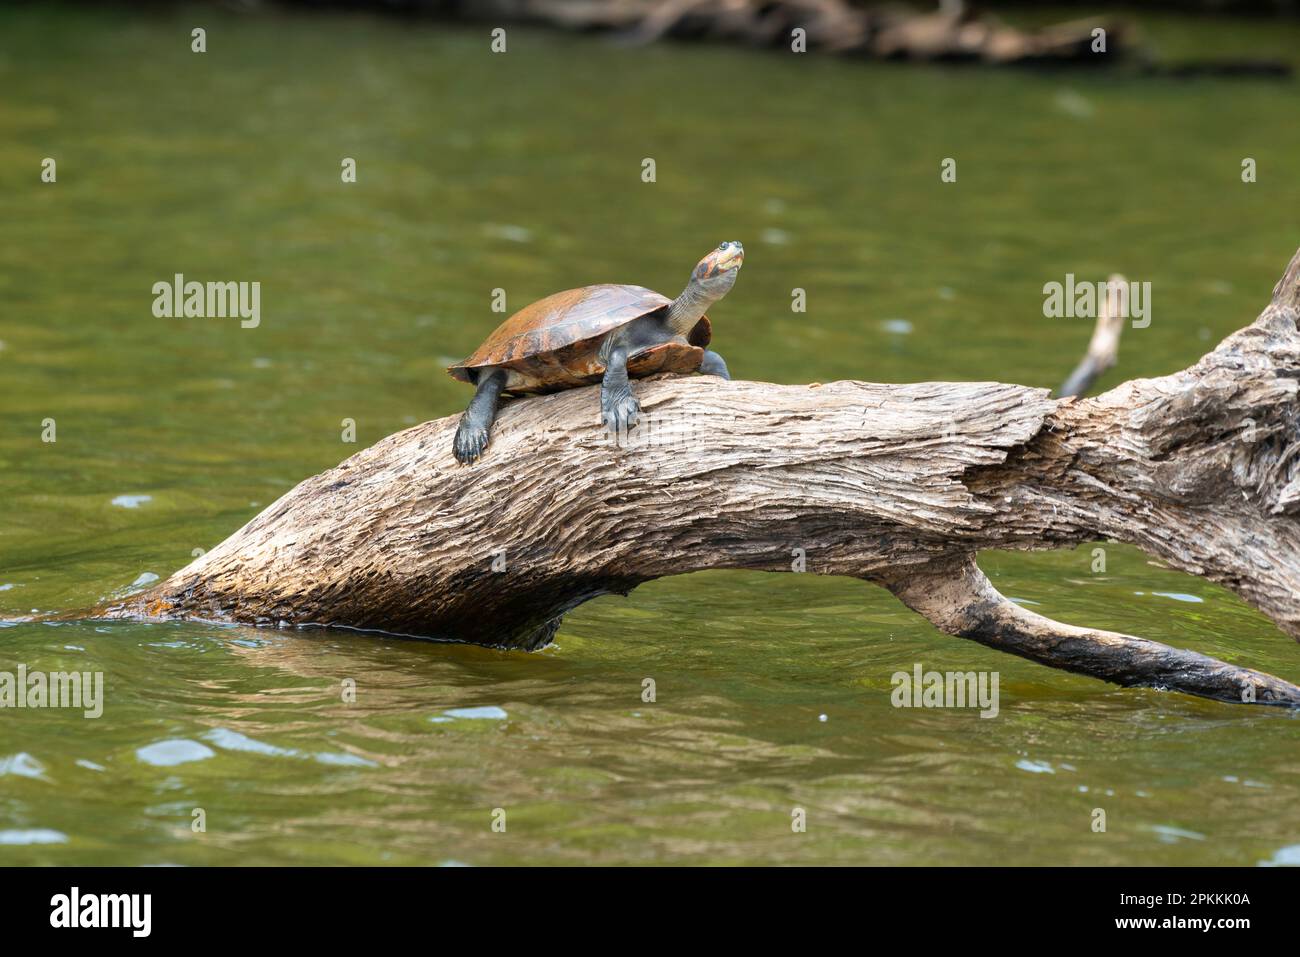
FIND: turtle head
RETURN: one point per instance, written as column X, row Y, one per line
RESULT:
column 712, row 278
column 715, row 274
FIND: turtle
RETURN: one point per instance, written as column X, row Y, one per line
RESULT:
column 604, row 333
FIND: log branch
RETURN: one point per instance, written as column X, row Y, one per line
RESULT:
column 958, row 599
column 896, row 484
column 1103, row 347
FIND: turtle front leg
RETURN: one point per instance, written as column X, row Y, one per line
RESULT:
column 618, row 407
column 713, row 365
column 475, row 425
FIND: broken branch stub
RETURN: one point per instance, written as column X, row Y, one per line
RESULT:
column 1103, row 347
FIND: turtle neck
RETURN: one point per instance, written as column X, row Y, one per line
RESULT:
column 689, row 307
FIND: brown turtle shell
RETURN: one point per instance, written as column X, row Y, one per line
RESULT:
column 555, row 342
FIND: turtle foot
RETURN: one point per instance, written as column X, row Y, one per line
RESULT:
column 620, row 411
column 470, row 441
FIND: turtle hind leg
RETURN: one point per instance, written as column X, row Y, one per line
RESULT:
column 476, row 422
column 713, row 365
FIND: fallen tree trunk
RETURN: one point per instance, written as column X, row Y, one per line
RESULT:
column 898, row 485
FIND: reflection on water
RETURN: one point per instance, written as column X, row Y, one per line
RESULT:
column 772, row 693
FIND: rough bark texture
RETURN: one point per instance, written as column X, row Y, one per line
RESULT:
column 899, row 485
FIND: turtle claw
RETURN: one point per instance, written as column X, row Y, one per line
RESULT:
column 469, row 443
column 620, row 411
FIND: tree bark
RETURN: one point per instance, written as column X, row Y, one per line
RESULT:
column 900, row 485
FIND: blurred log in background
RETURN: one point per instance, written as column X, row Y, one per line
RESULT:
column 949, row 31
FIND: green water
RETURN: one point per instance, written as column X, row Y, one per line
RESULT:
column 523, row 171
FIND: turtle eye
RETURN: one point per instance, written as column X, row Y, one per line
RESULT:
column 722, row 246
